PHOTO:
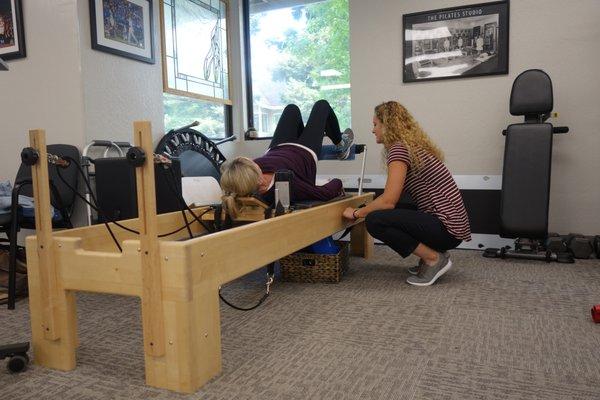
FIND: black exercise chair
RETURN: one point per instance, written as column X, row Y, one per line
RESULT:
column 61, row 197
column 525, row 193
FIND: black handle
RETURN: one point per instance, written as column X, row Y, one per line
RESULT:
column 555, row 129
column 136, row 156
column 283, row 175
column 183, row 128
column 227, row 139
column 109, row 143
column 29, row 156
column 560, row 129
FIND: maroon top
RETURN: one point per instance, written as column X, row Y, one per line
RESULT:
column 301, row 162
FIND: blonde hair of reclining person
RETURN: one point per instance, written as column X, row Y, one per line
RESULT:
column 414, row 165
column 240, row 177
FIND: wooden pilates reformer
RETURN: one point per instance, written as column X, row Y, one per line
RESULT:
column 177, row 280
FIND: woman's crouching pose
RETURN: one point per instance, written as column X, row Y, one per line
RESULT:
column 415, row 165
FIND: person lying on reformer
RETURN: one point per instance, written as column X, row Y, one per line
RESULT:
column 294, row 147
column 415, row 165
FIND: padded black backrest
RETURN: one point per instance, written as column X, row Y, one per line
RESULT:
column 70, row 174
column 531, row 93
column 526, row 181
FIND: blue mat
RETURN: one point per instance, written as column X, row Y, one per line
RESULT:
column 329, row 152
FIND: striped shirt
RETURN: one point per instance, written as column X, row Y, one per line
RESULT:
column 434, row 191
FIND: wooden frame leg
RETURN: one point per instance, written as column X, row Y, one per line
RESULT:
column 361, row 243
column 58, row 353
column 192, row 342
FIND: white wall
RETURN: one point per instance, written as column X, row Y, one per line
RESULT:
column 43, row 90
column 77, row 94
column 119, row 90
column 466, row 116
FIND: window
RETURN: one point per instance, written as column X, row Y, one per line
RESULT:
column 196, row 77
column 299, row 52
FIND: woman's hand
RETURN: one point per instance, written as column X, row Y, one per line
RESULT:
column 349, row 213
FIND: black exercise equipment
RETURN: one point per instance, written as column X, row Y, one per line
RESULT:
column 525, row 192
column 61, row 198
column 116, row 187
column 283, row 189
column 198, row 155
column 597, row 245
column 17, row 356
column 136, row 156
column 556, row 243
column 579, row 246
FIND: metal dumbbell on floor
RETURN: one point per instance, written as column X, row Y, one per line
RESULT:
column 596, row 313
column 579, row 245
column 556, row 243
column 597, row 245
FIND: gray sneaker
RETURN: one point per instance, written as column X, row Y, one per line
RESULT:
column 343, row 147
column 428, row 275
column 417, row 268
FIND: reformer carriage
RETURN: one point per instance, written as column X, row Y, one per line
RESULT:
column 177, row 280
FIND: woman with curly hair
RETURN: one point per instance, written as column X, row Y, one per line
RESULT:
column 415, row 165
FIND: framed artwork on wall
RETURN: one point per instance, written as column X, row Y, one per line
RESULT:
column 12, row 32
column 457, row 42
column 123, row 27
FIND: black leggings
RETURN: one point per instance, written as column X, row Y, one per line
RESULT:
column 404, row 229
column 291, row 129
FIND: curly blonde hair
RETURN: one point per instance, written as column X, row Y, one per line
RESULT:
column 239, row 178
column 400, row 126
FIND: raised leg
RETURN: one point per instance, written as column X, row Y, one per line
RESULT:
column 289, row 127
column 322, row 120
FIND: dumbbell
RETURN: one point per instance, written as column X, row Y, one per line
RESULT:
column 555, row 243
column 597, row 245
column 579, row 245
column 596, row 313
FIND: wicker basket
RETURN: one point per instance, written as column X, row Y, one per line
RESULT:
column 315, row 268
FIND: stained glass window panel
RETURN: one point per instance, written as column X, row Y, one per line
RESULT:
column 196, row 49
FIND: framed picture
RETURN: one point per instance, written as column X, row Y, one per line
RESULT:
column 123, row 28
column 457, row 42
column 12, row 33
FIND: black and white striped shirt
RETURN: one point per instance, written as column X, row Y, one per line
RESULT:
column 434, row 190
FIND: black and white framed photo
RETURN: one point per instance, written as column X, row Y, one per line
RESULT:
column 123, row 28
column 457, row 42
column 12, row 32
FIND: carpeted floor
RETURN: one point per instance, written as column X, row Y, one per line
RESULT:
column 489, row 329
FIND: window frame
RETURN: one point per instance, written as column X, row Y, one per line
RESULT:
column 226, row 103
column 248, row 68
column 246, row 45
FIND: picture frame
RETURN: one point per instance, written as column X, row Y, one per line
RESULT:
column 124, row 28
column 457, row 42
column 12, row 30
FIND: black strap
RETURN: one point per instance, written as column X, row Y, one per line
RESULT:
column 268, row 291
